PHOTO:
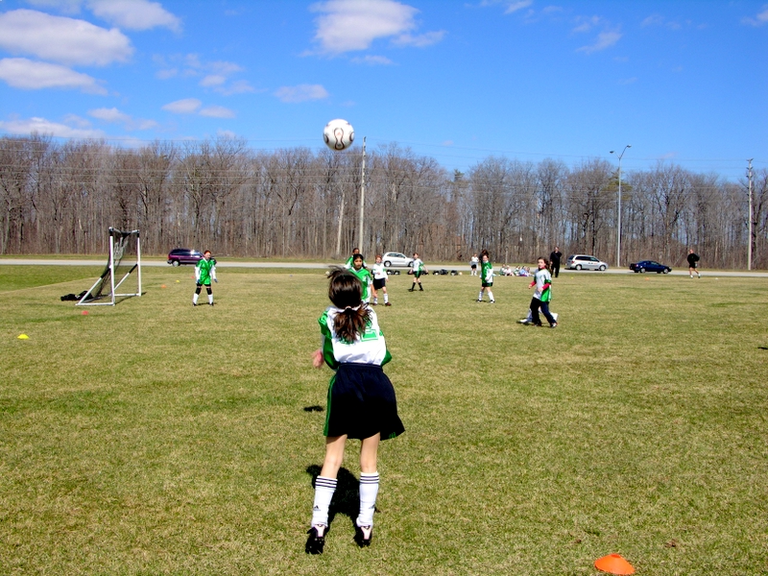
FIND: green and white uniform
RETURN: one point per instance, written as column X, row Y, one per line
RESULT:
column 486, row 274
column 417, row 267
column 205, row 271
column 361, row 399
column 364, row 275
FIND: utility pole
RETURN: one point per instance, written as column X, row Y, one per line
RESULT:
column 749, row 239
column 362, row 204
column 618, row 216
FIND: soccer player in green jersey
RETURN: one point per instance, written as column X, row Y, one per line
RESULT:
column 205, row 271
column 417, row 269
column 361, row 403
column 486, row 277
column 363, row 274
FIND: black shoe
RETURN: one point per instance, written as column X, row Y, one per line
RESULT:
column 410, row 289
column 387, row 304
column 421, row 289
column 363, row 535
column 316, row 541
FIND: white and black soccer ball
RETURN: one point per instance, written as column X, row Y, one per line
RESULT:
column 338, row 134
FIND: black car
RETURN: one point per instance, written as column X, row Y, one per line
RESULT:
column 649, row 266
column 179, row 256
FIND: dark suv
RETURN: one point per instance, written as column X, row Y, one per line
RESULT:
column 179, row 256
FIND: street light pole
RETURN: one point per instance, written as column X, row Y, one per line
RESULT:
column 362, row 204
column 749, row 227
column 618, row 218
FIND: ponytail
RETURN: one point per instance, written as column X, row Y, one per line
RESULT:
column 345, row 291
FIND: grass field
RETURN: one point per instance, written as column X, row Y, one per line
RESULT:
column 157, row 438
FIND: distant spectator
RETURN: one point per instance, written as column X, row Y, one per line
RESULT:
column 693, row 263
column 554, row 262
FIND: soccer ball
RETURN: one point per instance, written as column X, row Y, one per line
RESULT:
column 338, row 134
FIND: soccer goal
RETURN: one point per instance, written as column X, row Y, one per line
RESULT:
column 124, row 260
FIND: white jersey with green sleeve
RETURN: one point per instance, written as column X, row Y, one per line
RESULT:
column 379, row 271
column 364, row 275
column 370, row 348
column 417, row 266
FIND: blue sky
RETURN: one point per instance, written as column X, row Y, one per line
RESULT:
column 459, row 81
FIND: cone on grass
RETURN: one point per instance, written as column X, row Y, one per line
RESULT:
column 23, row 337
column 614, row 564
column 85, row 312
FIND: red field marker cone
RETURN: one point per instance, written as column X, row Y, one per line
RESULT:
column 163, row 286
column 85, row 312
column 614, row 564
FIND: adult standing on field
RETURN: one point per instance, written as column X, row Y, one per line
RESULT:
column 554, row 261
column 205, row 271
column 693, row 263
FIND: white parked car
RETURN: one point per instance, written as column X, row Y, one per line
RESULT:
column 397, row 260
column 584, row 262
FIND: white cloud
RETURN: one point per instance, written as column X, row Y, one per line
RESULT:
column 215, row 75
column 519, row 5
column 301, row 93
column 348, row 25
column 214, row 111
column 60, row 39
column 185, row 106
column 658, row 20
column 113, row 115
column 372, row 60
column 419, row 41
column 604, row 40
column 238, row 87
column 109, row 115
column 760, row 19
column 134, row 14
column 587, row 23
column 213, row 80
column 30, row 75
column 43, row 126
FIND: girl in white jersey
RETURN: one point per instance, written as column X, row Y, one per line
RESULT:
column 361, row 403
column 379, row 281
column 542, row 294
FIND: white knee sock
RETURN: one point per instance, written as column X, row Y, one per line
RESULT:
column 369, row 489
column 324, row 489
column 490, row 296
column 195, row 295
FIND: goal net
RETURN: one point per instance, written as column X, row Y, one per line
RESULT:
column 124, row 260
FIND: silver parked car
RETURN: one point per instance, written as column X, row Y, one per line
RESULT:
column 397, row 260
column 585, row 262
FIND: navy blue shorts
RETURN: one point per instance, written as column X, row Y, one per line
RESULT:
column 362, row 403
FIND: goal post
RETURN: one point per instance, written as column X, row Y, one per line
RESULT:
column 124, row 260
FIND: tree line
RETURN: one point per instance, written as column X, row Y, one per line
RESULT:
column 59, row 197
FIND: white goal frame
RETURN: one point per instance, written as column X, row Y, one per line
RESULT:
column 111, row 266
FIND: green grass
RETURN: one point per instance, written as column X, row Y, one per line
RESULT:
column 157, row 438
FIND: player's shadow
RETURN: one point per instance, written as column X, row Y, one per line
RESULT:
column 346, row 498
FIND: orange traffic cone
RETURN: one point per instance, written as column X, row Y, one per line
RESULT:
column 614, row 564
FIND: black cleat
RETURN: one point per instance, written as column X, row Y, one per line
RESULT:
column 363, row 535
column 316, row 540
